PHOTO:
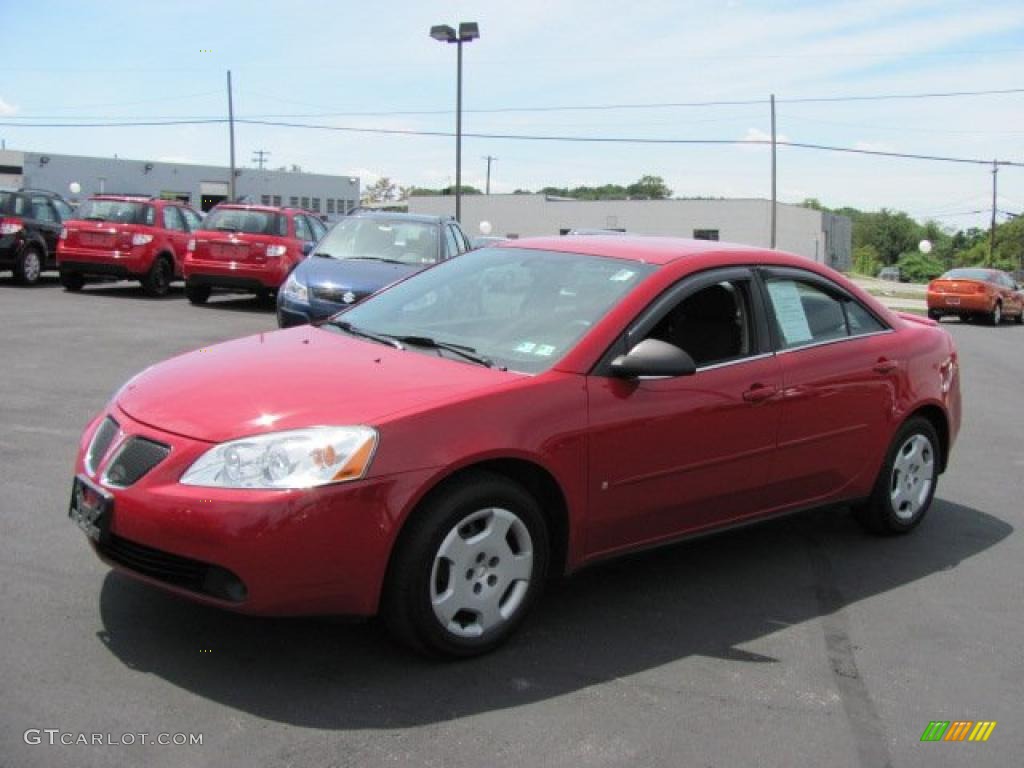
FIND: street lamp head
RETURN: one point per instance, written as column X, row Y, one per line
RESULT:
column 443, row 34
column 468, row 30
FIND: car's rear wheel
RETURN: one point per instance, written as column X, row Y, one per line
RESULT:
column 29, row 266
column 197, row 294
column 468, row 568
column 157, row 281
column 934, row 314
column 995, row 317
column 72, row 281
column 1019, row 319
column 906, row 484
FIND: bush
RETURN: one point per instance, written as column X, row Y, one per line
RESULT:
column 866, row 260
column 919, row 267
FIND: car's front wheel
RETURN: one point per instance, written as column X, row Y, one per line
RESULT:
column 995, row 317
column 72, row 281
column 906, row 484
column 468, row 568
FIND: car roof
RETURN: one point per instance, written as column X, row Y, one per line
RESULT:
column 648, row 249
column 423, row 218
column 257, row 207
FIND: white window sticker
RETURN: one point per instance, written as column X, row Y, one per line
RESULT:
column 526, row 346
column 789, row 311
column 544, row 350
column 622, row 276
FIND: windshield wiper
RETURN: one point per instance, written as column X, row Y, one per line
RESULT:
column 381, row 338
column 375, row 258
column 459, row 349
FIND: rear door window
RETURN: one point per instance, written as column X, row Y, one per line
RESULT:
column 806, row 313
column 172, row 219
column 302, row 230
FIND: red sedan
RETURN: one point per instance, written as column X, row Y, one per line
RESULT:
column 436, row 452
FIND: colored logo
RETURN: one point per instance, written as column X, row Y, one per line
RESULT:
column 958, row 730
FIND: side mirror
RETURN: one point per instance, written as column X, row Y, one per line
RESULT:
column 307, row 247
column 653, row 357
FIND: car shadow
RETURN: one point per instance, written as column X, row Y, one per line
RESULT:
column 706, row 597
column 237, row 302
column 129, row 290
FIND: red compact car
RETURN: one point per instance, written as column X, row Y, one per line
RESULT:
column 976, row 292
column 126, row 237
column 248, row 249
column 437, row 451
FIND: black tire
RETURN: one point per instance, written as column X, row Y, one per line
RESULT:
column 72, row 281
column 406, row 606
column 878, row 514
column 29, row 265
column 1019, row 319
column 157, row 282
column 197, row 294
column 934, row 315
column 995, row 317
column 965, row 318
column 266, row 298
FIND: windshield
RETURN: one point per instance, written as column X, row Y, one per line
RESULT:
column 242, row 220
column 968, row 274
column 118, row 211
column 522, row 309
column 408, row 242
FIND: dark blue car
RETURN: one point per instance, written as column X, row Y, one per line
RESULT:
column 361, row 254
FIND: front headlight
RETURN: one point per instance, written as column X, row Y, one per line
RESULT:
column 301, row 458
column 295, row 289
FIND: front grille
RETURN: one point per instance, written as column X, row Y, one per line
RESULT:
column 100, row 444
column 335, row 294
column 133, row 460
column 178, row 571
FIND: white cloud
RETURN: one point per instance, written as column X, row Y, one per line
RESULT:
column 758, row 138
column 7, row 109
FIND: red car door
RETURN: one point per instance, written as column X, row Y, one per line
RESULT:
column 841, row 367
column 674, row 455
column 177, row 234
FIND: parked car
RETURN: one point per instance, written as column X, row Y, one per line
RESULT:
column 361, row 254
column 482, row 241
column 30, row 222
column 126, row 237
column 437, row 451
column 976, row 292
column 248, row 249
column 892, row 274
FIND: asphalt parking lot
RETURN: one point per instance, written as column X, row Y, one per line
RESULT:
column 798, row 642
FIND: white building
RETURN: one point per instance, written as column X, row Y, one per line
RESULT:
column 824, row 237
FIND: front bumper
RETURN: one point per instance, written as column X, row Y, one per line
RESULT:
column 318, row 551
column 291, row 312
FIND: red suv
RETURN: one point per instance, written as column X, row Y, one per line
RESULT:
column 248, row 248
column 125, row 236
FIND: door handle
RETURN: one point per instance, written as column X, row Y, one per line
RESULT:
column 885, row 366
column 759, row 393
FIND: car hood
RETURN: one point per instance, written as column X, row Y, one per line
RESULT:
column 361, row 276
column 295, row 378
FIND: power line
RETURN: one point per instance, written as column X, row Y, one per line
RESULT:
column 541, row 137
column 597, row 107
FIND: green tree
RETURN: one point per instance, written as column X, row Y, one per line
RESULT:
column 919, row 267
column 866, row 261
column 649, row 188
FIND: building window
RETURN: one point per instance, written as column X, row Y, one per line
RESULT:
column 349, row 205
column 705, row 234
column 293, row 202
column 315, row 204
column 305, row 202
column 265, row 199
column 277, row 200
column 330, row 205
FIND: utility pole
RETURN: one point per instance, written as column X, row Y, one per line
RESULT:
column 773, row 171
column 259, row 157
column 992, row 232
column 231, row 132
column 489, row 159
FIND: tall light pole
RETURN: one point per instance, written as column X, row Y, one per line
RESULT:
column 490, row 159
column 468, row 31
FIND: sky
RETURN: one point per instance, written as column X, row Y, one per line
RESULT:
column 360, row 65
